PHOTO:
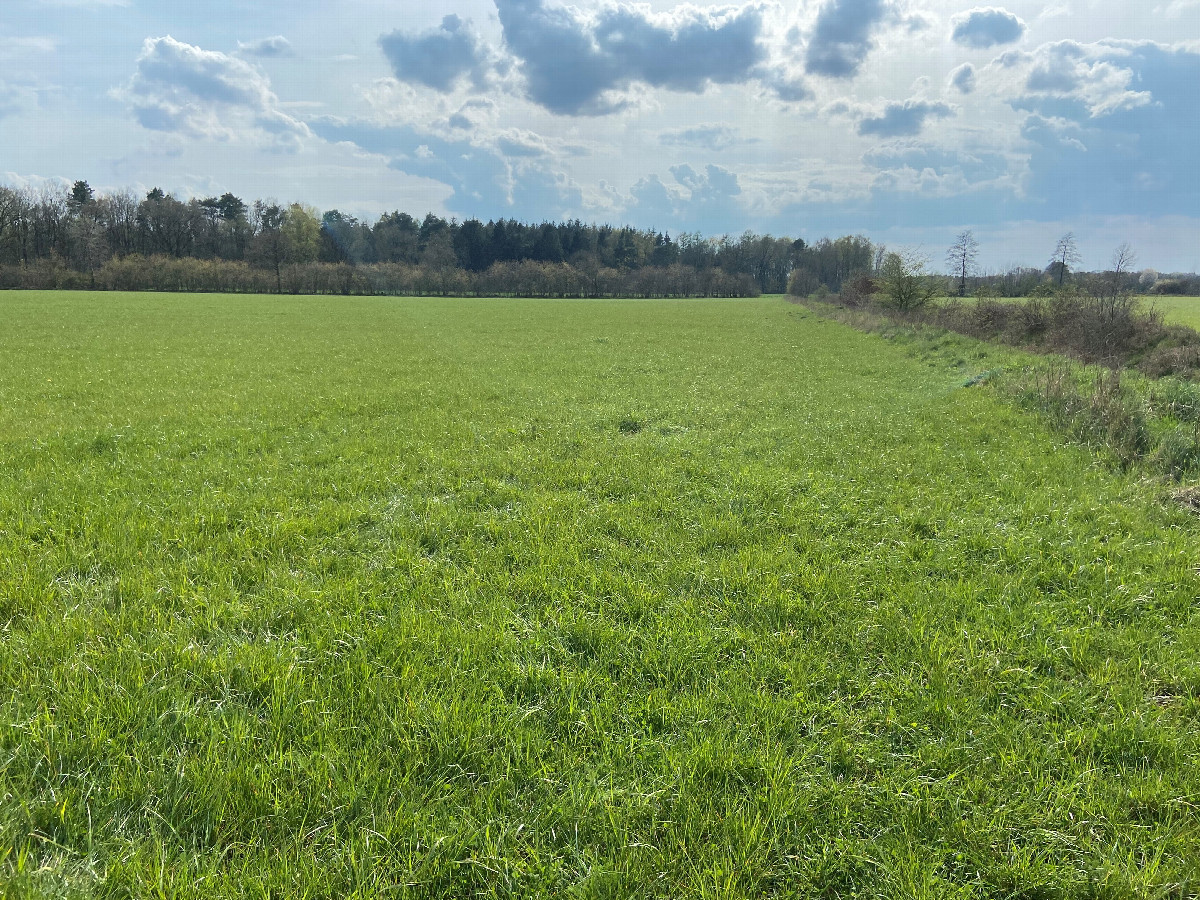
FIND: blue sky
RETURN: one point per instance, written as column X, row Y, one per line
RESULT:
column 906, row 120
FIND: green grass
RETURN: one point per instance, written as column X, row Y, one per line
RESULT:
column 321, row 597
column 1183, row 310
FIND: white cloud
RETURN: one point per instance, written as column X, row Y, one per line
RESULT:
column 987, row 26
column 1091, row 75
column 33, row 182
column 276, row 45
column 181, row 89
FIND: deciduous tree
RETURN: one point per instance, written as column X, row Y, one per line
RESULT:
column 961, row 259
column 1066, row 254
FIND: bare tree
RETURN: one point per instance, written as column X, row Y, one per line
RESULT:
column 1066, row 253
column 118, row 212
column 1123, row 260
column 961, row 258
column 89, row 249
column 10, row 215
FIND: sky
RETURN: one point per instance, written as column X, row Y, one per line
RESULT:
column 904, row 120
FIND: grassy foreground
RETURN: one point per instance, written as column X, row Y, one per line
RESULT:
column 325, row 597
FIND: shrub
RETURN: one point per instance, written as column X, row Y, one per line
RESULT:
column 802, row 283
column 1168, row 360
column 905, row 285
column 859, row 291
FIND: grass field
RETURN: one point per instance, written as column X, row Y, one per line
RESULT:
column 1184, row 310
column 321, row 597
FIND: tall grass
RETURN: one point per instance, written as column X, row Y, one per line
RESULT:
column 361, row 598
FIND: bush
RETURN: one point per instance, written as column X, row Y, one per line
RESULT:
column 802, row 283
column 859, row 291
column 1171, row 286
column 1169, row 360
column 904, row 283
column 1108, row 328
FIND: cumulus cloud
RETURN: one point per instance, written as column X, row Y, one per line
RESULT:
column 904, row 119
column 276, row 45
column 844, row 36
column 574, row 62
column 33, row 182
column 1066, row 75
column 183, row 89
column 1052, row 133
column 440, row 57
column 715, row 184
column 987, row 27
column 651, row 197
column 517, row 142
column 962, row 79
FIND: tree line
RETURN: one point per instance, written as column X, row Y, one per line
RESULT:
column 73, row 237
column 59, row 237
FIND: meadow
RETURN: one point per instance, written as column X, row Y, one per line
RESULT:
column 1184, row 310
column 362, row 597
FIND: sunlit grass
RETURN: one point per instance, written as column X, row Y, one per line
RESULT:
column 1184, row 310
column 333, row 597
